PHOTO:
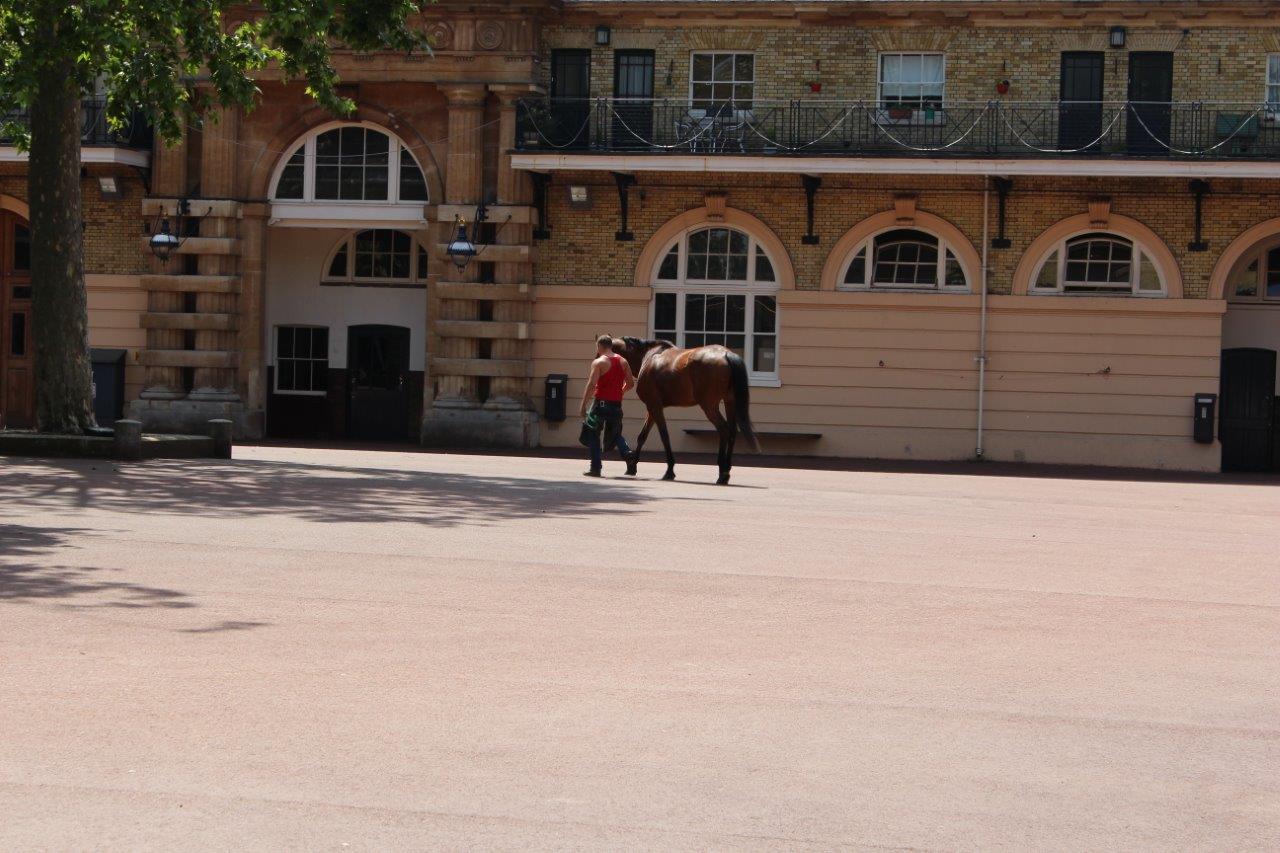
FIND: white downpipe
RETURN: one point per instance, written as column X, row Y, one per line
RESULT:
column 982, row 311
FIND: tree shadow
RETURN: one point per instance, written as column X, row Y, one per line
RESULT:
column 324, row 493
column 22, row 580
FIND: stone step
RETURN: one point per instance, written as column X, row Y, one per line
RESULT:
column 188, row 358
column 481, row 329
column 493, row 367
column 476, row 290
column 182, row 320
column 192, row 283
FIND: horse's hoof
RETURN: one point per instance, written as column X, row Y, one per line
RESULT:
column 723, row 480
column 631, row 471
column 670, row 475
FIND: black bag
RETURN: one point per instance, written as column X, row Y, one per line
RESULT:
column 590, row 426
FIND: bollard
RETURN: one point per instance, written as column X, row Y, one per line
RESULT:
column 128, row 440
column 220, row 430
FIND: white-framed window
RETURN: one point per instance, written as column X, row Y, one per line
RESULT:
column 720, row 82
column 377, row 256
column 1101, row 264
column 904, row 259
column 302, row 360
column 1257, row 276
column 911, row 85
column 1273, row 82
column 717, row 285
column 350, row 163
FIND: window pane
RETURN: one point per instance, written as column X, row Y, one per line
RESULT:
column 717, row 267
column 1048, row 278
column 715, row 313
column 338, row 268
column 694, row 312
column 670, row 265
column 737, row 343
column 722, row 70
column 953, row 276
column 327, row 146
column 375, row 183
column 764, row 268
column 1148, row 278
column 738, row 267
column 285, row 380
column 413, row 186
column 765, row 356
column 719, row 240
column 1247, row 281
column 326, row 182
column 284, row 342
column 21, row 247
column 351, row 140
column 766, row 314
column 697, row 266
column 400, row 266
column 692, row 341
column 702, row 67
column 351, row 184
column 320, row 343
column 698, row 241
column 857, row 273
column 376, row 146
column 364, row 265
column 735, row 317
column 664, row 312
column 422, row 263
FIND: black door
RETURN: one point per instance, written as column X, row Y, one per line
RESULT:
column 378, row 366
column 632, row 98
column 1248, row 418
column 568, row 124
column 1080, row 100
column 1150, row 102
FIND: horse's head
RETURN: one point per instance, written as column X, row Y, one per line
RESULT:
column 634, row 350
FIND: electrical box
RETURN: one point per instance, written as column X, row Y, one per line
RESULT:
column 557, row 389
column 1205, row 406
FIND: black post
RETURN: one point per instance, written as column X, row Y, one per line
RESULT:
column 624, row 182
column 1200, row 189
column 811, row 184
column 1003, row 187
column 540, row 181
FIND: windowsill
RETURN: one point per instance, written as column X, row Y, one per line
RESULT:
column 280, row 393
column 917, row 117
column 394, row 284
column 1105, row 294
column 921, row 290
column 764, row 382
column 1246, row 302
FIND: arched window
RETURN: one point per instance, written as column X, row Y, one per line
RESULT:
column 350, row 163
column 1098, row 263
column 717, row 285
column 1256, row 277
column 377, row 256
column 904, row 259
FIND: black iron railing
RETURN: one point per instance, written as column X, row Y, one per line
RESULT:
column 995, row 128
column 94, row 131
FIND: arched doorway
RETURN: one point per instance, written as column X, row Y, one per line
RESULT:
column 17, row 382
column 1249, row 423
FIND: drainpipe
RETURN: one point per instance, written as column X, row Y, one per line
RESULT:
column 981, row 358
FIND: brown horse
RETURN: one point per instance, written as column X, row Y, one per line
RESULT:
column 705, row 376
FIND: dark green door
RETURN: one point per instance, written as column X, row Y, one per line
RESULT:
column 1247, row 420
column 378, row 401
column 1150, row 102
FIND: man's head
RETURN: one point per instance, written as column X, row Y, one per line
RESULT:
column 604, row 344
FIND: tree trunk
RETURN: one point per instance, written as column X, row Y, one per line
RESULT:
column 59, row 303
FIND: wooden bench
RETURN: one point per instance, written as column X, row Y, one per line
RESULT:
column 708, row 432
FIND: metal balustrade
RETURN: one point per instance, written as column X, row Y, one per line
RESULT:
column 94, row 131
column 1218, row 131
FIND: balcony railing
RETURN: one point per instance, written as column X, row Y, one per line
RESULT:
column 94, row 131
column 1217, row 131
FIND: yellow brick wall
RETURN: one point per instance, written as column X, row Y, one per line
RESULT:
column 582, row 249
column 1210, row 63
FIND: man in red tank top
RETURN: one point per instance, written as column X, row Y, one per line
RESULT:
column 609, row 379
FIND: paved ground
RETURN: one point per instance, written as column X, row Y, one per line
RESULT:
column 359, row 650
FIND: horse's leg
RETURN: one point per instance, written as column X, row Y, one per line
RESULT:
column 731, row 428
column 661, row 420
column 722, row 428
column 634, row 458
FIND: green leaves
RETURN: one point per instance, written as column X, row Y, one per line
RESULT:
column 171, row 59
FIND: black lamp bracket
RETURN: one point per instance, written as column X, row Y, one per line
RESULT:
column 1199, row 189
column 624, row 182
column 811, row 184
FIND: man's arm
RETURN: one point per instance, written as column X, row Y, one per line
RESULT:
column 590, row 388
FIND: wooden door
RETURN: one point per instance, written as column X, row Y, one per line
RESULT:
column 1150, row 102
column 1246, row 422
column 1080, row 100
column 378, row 370
column 17, row 350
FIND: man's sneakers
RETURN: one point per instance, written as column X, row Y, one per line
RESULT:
column 591, row 472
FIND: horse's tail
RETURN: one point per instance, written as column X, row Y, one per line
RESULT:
column 742, row 399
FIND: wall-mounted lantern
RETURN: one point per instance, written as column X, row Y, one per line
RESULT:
column 165, row 242
column 109, row 187
column 463, row 247
column 1117, row 37
column 579, row 197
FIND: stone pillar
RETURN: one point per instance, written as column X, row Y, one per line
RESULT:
column 253, row 270
column 217, row 181
column 168, row 180
column 463, row 184
column 513, row 189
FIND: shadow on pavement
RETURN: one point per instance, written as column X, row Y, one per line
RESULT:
column 21, row 579
column 324, row 493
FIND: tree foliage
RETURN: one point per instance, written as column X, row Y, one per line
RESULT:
column 171, row 59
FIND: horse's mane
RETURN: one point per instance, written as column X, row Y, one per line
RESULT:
column 644, row 345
